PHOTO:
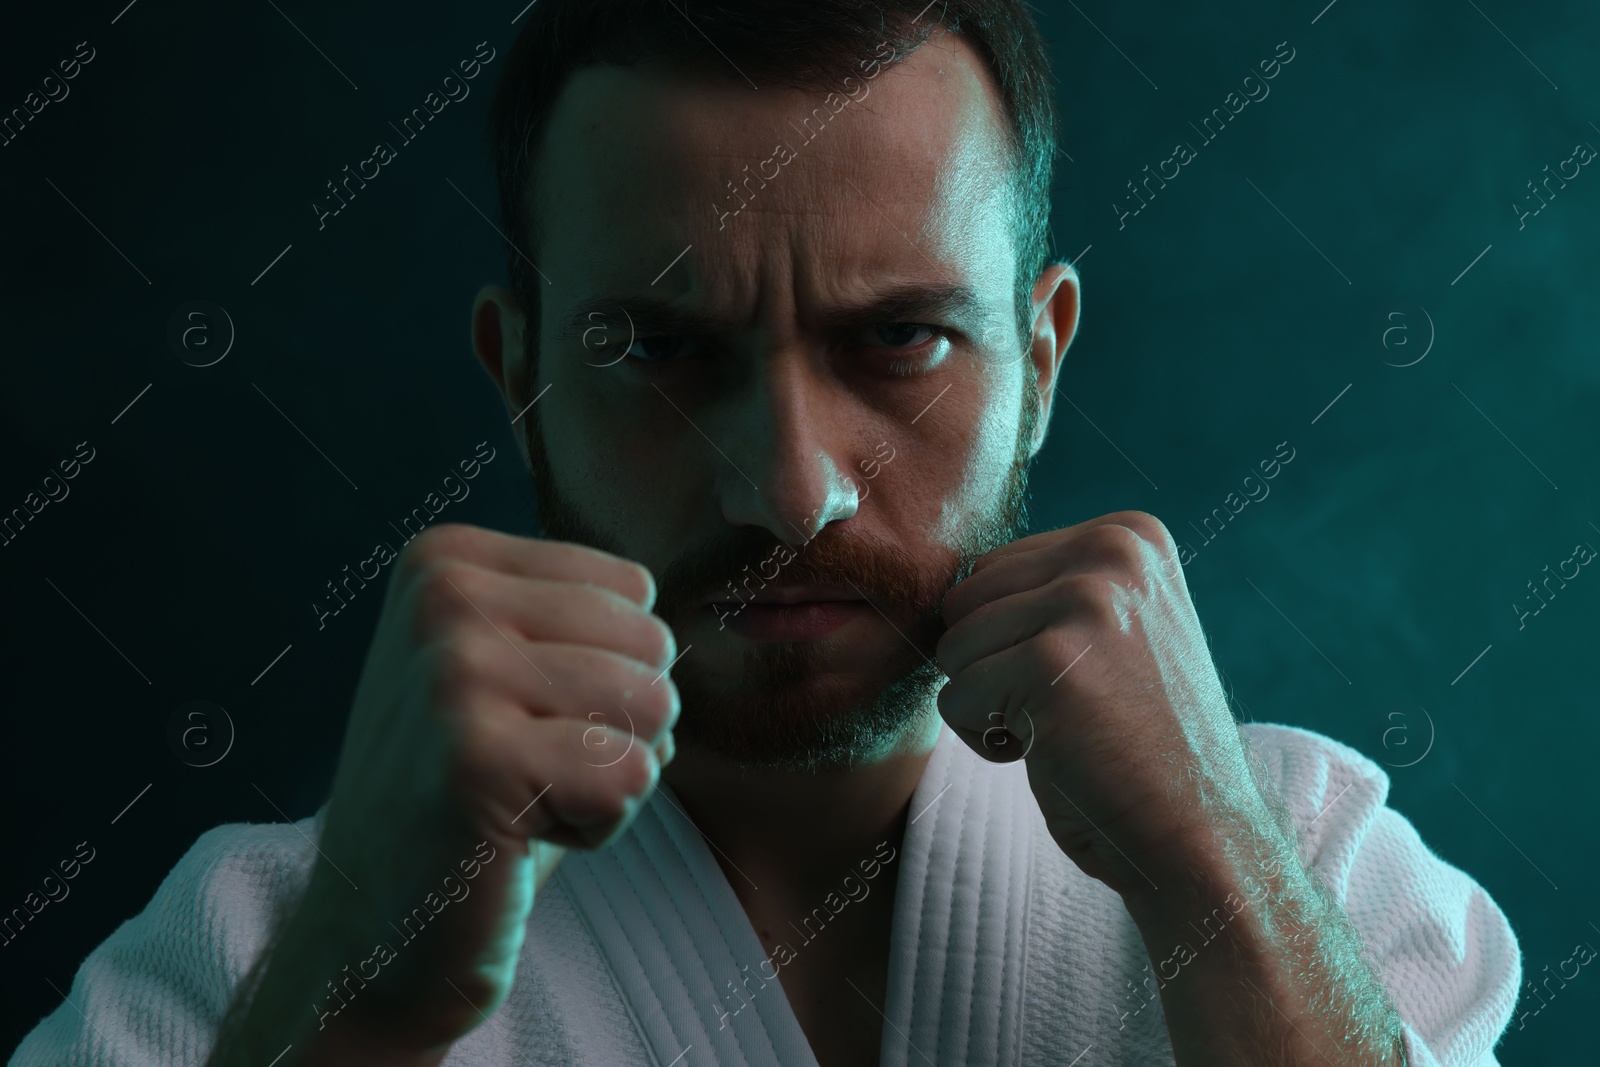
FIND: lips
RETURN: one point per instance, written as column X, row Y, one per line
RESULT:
column 789, row 613
column 800, row 594
column 800, row 620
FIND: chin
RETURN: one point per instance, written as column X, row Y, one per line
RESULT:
column 777, row 720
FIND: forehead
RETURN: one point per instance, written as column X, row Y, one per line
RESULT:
column 900, row 177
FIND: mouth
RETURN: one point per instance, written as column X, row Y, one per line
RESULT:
column 800, row 594
column 798, row 613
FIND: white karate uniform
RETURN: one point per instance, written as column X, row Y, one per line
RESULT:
column 1002, row 951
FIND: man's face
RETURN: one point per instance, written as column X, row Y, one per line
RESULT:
column 825, row 386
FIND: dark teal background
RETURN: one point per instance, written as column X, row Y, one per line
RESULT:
column 1220, row 321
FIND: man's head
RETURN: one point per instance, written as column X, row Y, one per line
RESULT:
column 780, row 284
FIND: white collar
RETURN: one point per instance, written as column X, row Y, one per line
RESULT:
column 674, row 934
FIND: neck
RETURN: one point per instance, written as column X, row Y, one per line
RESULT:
column 800, row 829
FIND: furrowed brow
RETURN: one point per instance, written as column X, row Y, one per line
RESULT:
column 954, row 304
column 650, row 316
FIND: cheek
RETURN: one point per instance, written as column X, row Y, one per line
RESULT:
column 597, row 465
column 625, row 468
column 975, row 456
column 971, row 496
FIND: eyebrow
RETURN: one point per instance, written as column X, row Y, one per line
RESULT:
column 652, row 315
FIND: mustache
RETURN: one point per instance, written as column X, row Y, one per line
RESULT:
column 737, row 564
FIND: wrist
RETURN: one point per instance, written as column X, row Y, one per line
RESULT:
column 288, row 1003
column 1230, row 849
column 279, row 1017
column 1250, row 951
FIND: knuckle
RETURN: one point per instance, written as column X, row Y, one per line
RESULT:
column 631, row 631
column 669, row 640
column 644, row 580
column 1151, row 529
column 597, row 793
column 654, row 708
column 633, row 775
column 458, row 670
column 1089, row 589
column 661, row 643
column 444, row 541
column 441, row 595
column 1117, row 543
column 1063, row 643
column 1044, row 649
column 603, row 740
column 1093, row 595
column 1140, row 522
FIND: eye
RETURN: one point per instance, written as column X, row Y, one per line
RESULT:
column 662, row 349
column 896, row 335
column 916, row 348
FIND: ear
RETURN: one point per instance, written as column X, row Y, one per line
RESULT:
column 1055, row 323
column 498, row 324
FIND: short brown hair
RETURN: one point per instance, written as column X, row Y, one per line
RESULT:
column 802, row 44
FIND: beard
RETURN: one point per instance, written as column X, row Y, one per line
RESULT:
column 788, row 711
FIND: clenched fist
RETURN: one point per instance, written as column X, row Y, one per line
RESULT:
column 1080, row 649
column 514, row 703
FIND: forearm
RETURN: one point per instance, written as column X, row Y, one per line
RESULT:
column 284, row 1007
column 1256, row 963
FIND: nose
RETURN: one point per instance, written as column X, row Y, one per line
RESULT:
column 790, row 440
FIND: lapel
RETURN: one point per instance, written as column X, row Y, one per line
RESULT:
column 958, row 949
column 692, row 972
column 681, row 950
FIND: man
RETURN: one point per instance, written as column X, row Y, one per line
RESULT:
column 781, row 341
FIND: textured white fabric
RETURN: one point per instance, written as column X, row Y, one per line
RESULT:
column 1002, row 951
